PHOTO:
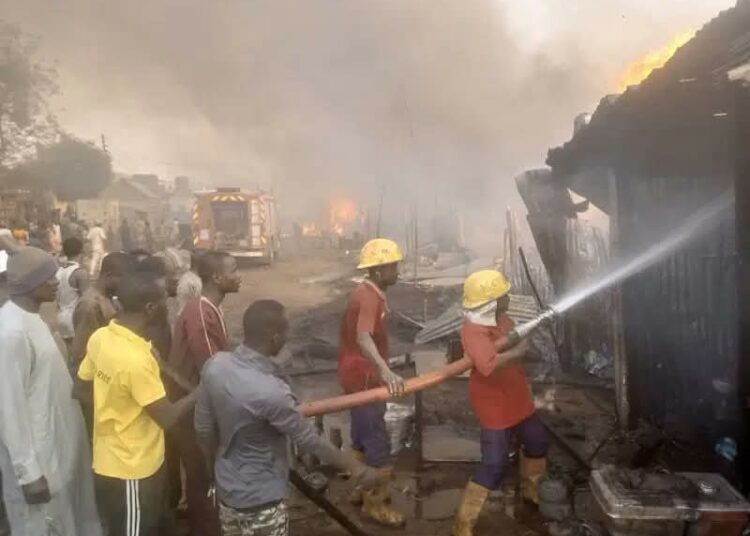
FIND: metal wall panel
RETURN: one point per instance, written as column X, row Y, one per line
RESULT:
column 681, row 315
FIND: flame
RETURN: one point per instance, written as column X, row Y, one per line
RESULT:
column 341, row 213
column 641, row 69
column 310, row 229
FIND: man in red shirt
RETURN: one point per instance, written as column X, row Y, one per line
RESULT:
column 199, row 333
column 500, row 397
column 363, row 364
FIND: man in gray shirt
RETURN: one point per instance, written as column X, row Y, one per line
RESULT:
column 245, row 414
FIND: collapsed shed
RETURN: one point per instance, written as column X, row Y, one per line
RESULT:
column 680, row 330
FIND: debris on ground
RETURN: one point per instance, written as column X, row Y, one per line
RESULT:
column 437, row 439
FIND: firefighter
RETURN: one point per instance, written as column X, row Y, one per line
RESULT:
column 363, row 364
column 500, row 397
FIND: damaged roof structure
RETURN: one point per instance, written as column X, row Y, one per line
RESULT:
column 649, row 158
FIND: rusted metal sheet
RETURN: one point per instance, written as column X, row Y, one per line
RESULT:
column 522, row 309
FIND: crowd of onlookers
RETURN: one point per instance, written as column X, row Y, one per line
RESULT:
column 84, row 281
column 132, row 407
column 98, row 238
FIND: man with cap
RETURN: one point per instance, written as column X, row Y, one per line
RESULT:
column 500, row 397
column 44, row 455
column 363, row 364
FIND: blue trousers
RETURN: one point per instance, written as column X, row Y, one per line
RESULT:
column 369, row 434
column 495, row 447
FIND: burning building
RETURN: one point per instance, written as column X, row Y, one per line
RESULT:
column 342, row 213
column 680, row 329
column 340, row 225
column 641, row 69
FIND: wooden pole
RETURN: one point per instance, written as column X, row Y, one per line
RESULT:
column 324, row 504
column 380, row 212
column 622, row 401
column 416, row 242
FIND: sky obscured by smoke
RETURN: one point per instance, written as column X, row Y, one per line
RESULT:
column 444, row 99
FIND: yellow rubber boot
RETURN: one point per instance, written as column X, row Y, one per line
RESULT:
column 386, row 473
column 355, row 495
column 471, row 505
column 532, row 470
column 375, row 506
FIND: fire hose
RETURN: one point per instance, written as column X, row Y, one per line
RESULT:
column 425, row 381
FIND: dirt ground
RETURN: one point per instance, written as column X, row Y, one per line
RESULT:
column 283, row 281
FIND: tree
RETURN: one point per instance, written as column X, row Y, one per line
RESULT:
column 71, row 168
column 34, row 152
column 25, row 85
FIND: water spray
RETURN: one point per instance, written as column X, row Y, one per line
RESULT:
column 698, row 223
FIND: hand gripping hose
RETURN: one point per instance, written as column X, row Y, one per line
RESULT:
column 420, row 383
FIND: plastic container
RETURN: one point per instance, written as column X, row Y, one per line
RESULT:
column 639, row 503
column 554, row 499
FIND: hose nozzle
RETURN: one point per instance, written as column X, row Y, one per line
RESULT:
column 546, row 317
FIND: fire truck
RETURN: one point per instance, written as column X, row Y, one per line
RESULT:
column 241, row 223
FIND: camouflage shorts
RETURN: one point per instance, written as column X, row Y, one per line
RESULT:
column 273, row 521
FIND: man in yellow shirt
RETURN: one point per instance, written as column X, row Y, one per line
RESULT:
column 131, row 411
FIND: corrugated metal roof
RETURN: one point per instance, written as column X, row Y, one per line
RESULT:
column 687, row 90
column 140, row 188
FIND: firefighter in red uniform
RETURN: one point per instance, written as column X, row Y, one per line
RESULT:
column 363, row 364
column 500, row 397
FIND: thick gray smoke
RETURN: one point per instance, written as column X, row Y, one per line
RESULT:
column 437, row 100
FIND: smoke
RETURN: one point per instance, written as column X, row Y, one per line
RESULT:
column 435, row 102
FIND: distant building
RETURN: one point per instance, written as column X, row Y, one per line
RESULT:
column 148, row 181
column 27, row 205
column 131, row 198
column 133, row 191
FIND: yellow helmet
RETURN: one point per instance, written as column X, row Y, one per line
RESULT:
column 483, row 287
column 378, row 252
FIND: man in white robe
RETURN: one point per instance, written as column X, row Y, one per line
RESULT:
column 45, row 458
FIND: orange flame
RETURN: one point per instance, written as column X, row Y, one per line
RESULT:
column 310, row 229
column 341, row 213
column 641, row 69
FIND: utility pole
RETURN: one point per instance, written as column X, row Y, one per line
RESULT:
column 104, row 144
column 416, row 243
column 380, row 211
